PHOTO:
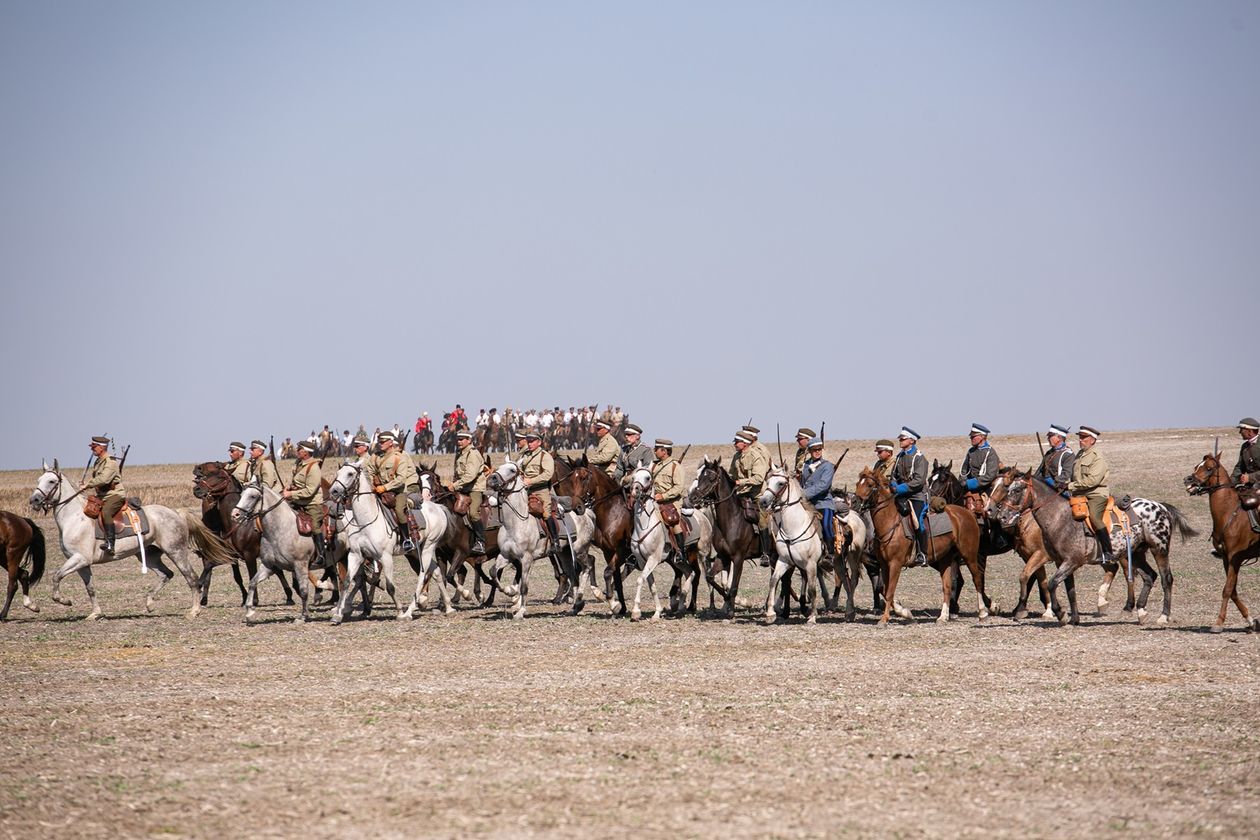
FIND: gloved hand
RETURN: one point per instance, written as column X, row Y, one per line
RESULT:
column 901, row 489
column 1049, row 481
column 972, row 484
column 378, row 489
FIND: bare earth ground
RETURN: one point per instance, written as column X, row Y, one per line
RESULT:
column 153, row 725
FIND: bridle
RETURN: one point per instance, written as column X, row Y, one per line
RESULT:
column 251, row 515
column 45, row 504
column 1197, row 487
column 502, row 491
column 704, row 497
column 639, row 502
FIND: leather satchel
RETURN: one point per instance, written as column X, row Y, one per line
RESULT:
column 92, row 510
column 463, row 503
column 388, row 498
column 305, row 525
column 535, row 505
column 751, row 514
column 670, row 515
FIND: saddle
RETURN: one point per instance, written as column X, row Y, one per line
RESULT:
column 129, row 522
column 463, row 503
column 749, row 508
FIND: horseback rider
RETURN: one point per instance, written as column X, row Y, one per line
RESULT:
column 521, row 446
column 105, row 481
column 1056, row 465
column 980, row 465
column 261, row 468
column 884, row 449
column 1246, row 473
column 632, row 456
column 237, row 465
column 361, row 446
column 668, row 484
column 803, row 437
column 816, row 475
column 909, row 485
column 537, row 469
column 749, row 467
column 1089, row 479
column 395, row 472
column 303, row 493
column 604, row 454
column 470, row 479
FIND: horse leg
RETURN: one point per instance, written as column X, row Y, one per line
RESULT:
column 523, row 586
column 73, row 563
column 1227, row 593
column 163, row 575
column 890, row 590
column 13, row 561
column 1070, row 586
column 1242, row 608
column 812, row 581
column 1142, row 569
column 947, row 592
column 875, row 574
column 851, row 578
column 649, row 566
column 86, row 574
column 251, row 599
column 955, row 591
column 303, row 582
column 1109, row 574
column 341, row 610
column 438, row 569
column 284, row 584
column 778, row 575
column 736, row 571
column 983, row 602
column 236, row 576
column 1166, row 583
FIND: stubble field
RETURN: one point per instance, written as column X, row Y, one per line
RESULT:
column 153, row 725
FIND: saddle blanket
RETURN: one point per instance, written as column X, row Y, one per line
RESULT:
column 122, row 523
column 939, row 524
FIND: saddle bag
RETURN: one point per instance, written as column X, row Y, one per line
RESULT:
column 463, row 503
column 974, row 502
column 670, row 515
column 305, row 525
column 1080, row 508
column 1249, row 499
column 535, row 505
column 92, row 510
column 388, row 499
column 749, row 507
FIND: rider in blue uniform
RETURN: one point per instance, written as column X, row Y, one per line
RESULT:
column 816, row 475
column 909, row 484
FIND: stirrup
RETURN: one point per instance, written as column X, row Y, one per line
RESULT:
column 478, row 547
column 408, row 545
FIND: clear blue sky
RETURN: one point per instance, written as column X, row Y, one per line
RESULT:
column 228, row 220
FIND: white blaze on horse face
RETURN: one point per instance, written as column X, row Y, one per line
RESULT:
column 250, row 496
column 642, row 479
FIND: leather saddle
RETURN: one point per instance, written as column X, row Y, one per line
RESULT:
column 123, row 524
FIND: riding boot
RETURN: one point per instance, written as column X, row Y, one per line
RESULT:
column 109, row 537
column 318, row 536
column 553, row 529
column 1104, row 541
column 767, row 547
column 479, row 538
column 410, row 533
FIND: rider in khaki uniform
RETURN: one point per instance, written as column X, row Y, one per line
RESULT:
column 303, row 492
column 395, row 472
column 668, row 479
column 104, row 481
column 884, row 449
column 803, row 437
column 604, row 454
column 537, row 469
column 261, row 467
column 749, row 468
column 470, row 479
column 237, row 465
column 1089, row 479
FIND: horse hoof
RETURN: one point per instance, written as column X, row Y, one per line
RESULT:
column 404, row 616
column 193, row 613
column 1048, row 615
column 1141, row 616
column 1216, row 628
column 32, row 607
column 148, row 606
column 92, row 616
column 1162, row 620
column 811, row 620
column 1254, row 626
column 1019, row 614
column 335, row 621
column 635, row 615
column 882, row 624
column 518, row 616
column 65, row 602
column 448, row 611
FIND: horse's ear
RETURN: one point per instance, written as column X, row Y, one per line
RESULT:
column 950, row 465
column 935, row 464
column 56, row 466
column 44, row 461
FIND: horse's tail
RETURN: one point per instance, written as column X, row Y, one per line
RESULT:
column 1179, row 520
column 38, row 552
column 213, row 550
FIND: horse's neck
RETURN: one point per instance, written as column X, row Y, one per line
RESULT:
column 1053, row 515
column 884, row 509
column 790, row 509
column 1222, row 503
column 72, row 510
column 225, row 503
column 364, row 501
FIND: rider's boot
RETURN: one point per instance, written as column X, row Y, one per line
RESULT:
column 479, row 538
column 920, row 550
column 767, row 547
column 410, row 533
column 110, row 534
column 553, row 529
column 1104, row 541
column 318, row 536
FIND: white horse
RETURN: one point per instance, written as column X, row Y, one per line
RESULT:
column 171, row 533
column 648, row 538
column 797, row 538
column 281, row 547
column 520, row 540
column 367, row 534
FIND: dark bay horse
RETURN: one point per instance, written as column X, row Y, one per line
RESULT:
column 219, row 492
column 734, row 537
column 1232, row 536
column 614, row 522
column 21, row 537
column 1151, row 523
column 455, row 554
column 897, row 548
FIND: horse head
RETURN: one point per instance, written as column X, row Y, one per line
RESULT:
column 704, row 488
column 251, row 498
column 503, row 478
column 1202, row 479
column 346, row 480
column 47, row 490
column 870, row 485
column 641, row 483
column 211, row 481
column 942, row 481
column 775, row 488
column 1010, row 501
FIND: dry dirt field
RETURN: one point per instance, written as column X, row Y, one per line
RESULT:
column 139, row 725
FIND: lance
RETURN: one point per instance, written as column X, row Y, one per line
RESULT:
column 123, row 460
column 822, row 432
column 779, row 442
column 1041, row 448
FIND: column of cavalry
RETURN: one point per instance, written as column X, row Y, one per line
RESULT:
column 637, row 505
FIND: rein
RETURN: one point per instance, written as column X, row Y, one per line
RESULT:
column 52, row 507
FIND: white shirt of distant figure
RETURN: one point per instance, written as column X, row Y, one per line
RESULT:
column 497, row 418
column 568, row 417
column 482, row 419
column 547, row 420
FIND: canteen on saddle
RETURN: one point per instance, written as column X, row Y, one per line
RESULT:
column 130, row 521
column 1249, row 498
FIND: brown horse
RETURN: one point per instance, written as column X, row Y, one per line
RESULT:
column 21, row 537
column 734, row 537
column 455, row 555
column 614, row 522
column 1232, row 536
column 897, row 548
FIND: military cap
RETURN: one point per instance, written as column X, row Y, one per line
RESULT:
column 308, row 445
column 664, row 443
column 464, row 433
column 386, row 435
column 532, row 435
column 814, row 442
column 752, row 430
column 743, row 437
column 1089, row 430
column 236, row 444
column 977, row 429
column 907, row 432
column 1061, row 431
column 885, row 443
column 632, row 428
column 804, row 432
column 361, row 440
column 602, row 424
column 1249, row 423
column 100, row 440
column 257, row 444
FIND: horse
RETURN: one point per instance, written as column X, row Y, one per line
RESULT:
column 593, row 489
column 20, row 538
column 648, row 540
column 1152, row 525
column 171, row 533
column 896, row 547
column 455, row 553
column 943, row 483
column 370, row 537
column 734, row 537
column 520, row 538
column 219, row 492
column 1029, row 545
column 797, row 539
column 1232, row 536
column 281, row 547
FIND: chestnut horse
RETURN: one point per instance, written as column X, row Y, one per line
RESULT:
column 1232, row 536
column 20, row 537
column 896, row 548
column 614, row 522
